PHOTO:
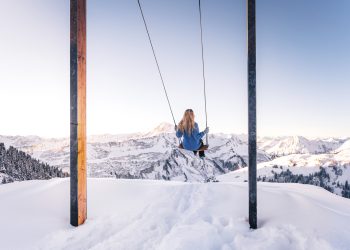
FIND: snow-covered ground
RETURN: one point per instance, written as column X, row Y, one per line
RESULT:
column 145, row 214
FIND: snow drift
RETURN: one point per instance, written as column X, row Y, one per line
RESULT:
column 144, row 214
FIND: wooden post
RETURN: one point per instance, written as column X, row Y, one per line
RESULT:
column 78, row 211
column 252, row 114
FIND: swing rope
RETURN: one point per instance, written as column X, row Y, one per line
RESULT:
column 155, row 58
column 203, row 68
column 203, row 64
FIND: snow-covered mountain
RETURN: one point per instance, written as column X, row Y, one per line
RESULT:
column 322, row 162
column 15, row 165
column 150, row 155
column 155, row 155
column 280, row 146
column 330, row 171
column 344, row 149
column 163, row 128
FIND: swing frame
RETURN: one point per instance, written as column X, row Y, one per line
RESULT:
column 78, row 176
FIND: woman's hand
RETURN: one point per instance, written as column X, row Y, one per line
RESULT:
column 206, row 131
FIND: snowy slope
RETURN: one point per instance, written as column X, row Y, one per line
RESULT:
column 336, row 170
column 140, row 214
column 344, row 149
column 279, row 146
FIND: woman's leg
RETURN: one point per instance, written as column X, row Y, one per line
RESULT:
column 201, row 153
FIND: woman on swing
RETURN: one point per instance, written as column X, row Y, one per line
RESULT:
column 189, row 131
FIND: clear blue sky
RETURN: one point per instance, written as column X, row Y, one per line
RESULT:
column 303, row 65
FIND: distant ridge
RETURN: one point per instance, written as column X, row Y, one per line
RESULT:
column 155, row 155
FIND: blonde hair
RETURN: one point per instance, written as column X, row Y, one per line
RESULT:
column 187, row 122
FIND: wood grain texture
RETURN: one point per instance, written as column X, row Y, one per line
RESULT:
column 82, row 214
column 78, row 113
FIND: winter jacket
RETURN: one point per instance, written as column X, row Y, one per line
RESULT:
column 191, row 141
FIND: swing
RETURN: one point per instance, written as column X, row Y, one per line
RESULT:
column 205, row 146
column 202, row 148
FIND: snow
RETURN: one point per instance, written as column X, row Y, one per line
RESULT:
column 280, row 146
column 147, row 154
column 344, row 149
column 141, row 155
column 162, row 128
column 307, row 160
column 145, row 214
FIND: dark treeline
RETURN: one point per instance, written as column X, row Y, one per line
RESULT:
column 19, row 166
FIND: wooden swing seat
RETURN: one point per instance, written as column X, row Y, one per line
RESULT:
column 202, row 148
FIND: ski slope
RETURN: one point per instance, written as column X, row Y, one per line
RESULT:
column 145, row 214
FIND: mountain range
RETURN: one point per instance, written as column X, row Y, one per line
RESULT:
column 155, row 155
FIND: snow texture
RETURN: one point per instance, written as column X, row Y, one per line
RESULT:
column 145, row 214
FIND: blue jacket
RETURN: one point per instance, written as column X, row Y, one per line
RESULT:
column 191, row 141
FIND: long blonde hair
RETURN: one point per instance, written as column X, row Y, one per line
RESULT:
column 187, row 122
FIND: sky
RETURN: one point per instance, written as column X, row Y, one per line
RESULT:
column 303, row 65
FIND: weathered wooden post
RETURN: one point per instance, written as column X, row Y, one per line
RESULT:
column 78, row 211
column 252, row 114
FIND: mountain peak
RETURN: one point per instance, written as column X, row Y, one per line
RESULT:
column 162, row 128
